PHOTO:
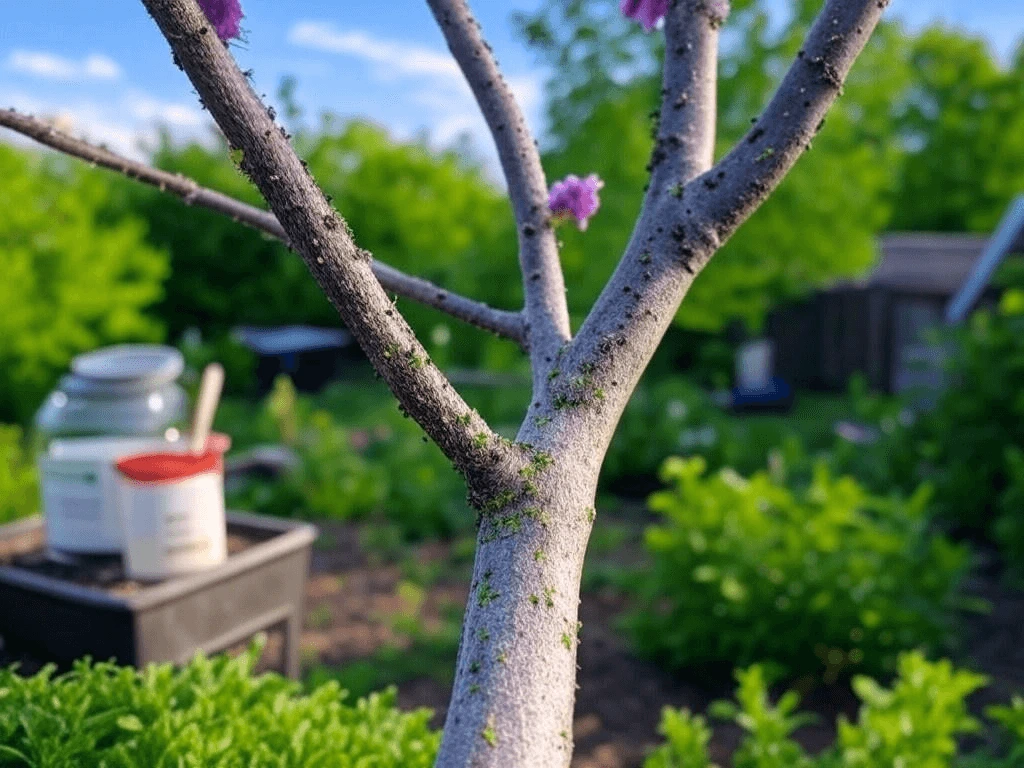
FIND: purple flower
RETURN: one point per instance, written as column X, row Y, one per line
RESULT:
column 576, row 197
column 647, row 12
column 225, row 15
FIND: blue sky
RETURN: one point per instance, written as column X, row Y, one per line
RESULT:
column 103, row 69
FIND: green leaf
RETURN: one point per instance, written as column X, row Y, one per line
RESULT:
column 129, row 723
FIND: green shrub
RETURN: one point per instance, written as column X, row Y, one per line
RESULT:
column 72, row 281
column 1011, row 719
column 963, row 441
column 826, row 579
column 662, row 418
column 213, row 713
column 767, row 728
column 1009, row 524
column 686, row 741
column 672, row 415
column 238, row 360
column 402, row 200
column 377, row 467
column 19, row 481
column 889, row 462
column 913, row 724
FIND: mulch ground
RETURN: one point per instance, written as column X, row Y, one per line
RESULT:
column 352, row 600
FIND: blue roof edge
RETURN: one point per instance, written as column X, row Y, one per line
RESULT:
column 998, row 247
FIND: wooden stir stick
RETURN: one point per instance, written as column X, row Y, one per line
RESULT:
column 206, row 406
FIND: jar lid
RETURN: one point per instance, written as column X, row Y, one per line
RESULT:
column 152, row 364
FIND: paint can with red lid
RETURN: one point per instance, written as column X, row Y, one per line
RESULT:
column 172, row 506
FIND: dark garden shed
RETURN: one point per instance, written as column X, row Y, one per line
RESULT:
column 875, row 326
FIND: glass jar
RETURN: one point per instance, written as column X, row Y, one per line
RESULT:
column 118, row 400
column 129, row 390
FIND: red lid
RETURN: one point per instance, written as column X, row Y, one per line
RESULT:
column 166, row 467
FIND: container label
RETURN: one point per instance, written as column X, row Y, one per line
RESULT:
column 75, row 504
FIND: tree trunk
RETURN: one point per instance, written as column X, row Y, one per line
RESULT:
column 515, row 684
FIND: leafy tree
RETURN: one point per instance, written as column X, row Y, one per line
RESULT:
column 417, row 210
column 71, row 281
column 963, row 132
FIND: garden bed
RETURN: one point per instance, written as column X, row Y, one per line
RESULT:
column 376, row 617
column 61, row 608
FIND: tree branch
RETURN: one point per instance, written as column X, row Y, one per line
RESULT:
column 685, row 144
column 745, row 177
column 678, row 235
column 323, row 239
column 501, row 322
column 544, row 286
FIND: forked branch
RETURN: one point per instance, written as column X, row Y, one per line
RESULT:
column 543, row 283
column 323, row 239
column 678, row 233
column 501, row 322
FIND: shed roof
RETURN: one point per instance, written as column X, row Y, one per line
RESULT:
column 926, row 262
column 1008, row 238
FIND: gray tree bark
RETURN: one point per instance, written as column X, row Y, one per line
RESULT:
column 513, row 697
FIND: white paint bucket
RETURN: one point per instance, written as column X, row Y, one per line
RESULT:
column 172, row 516
column 80, row 492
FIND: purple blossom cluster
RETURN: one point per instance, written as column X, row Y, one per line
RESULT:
column 647, row 12
column 225, row 15
column 577, row 198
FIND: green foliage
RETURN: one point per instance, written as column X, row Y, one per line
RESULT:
column 72, row 280
column 19, row 481
column 213, row 713
column 670, row 415
column 1011, row 719
column 374, row 466
column 887, row 464
column 432, row 214
column 1009, row 524
column 825, row 580
column 913, row 724
column 238, row 360
column 662, row 417
column 970, row 444
column 767, row 727
column 963, row 126
column 686, row 741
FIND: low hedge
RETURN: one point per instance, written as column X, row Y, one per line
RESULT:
column 213, row 713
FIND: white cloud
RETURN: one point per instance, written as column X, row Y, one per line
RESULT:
column 53, row 67
column 129, row 126
column 171, row 114
column 439, row 94
column 396, row 57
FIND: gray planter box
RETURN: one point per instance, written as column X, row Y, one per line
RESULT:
column 258, row 588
